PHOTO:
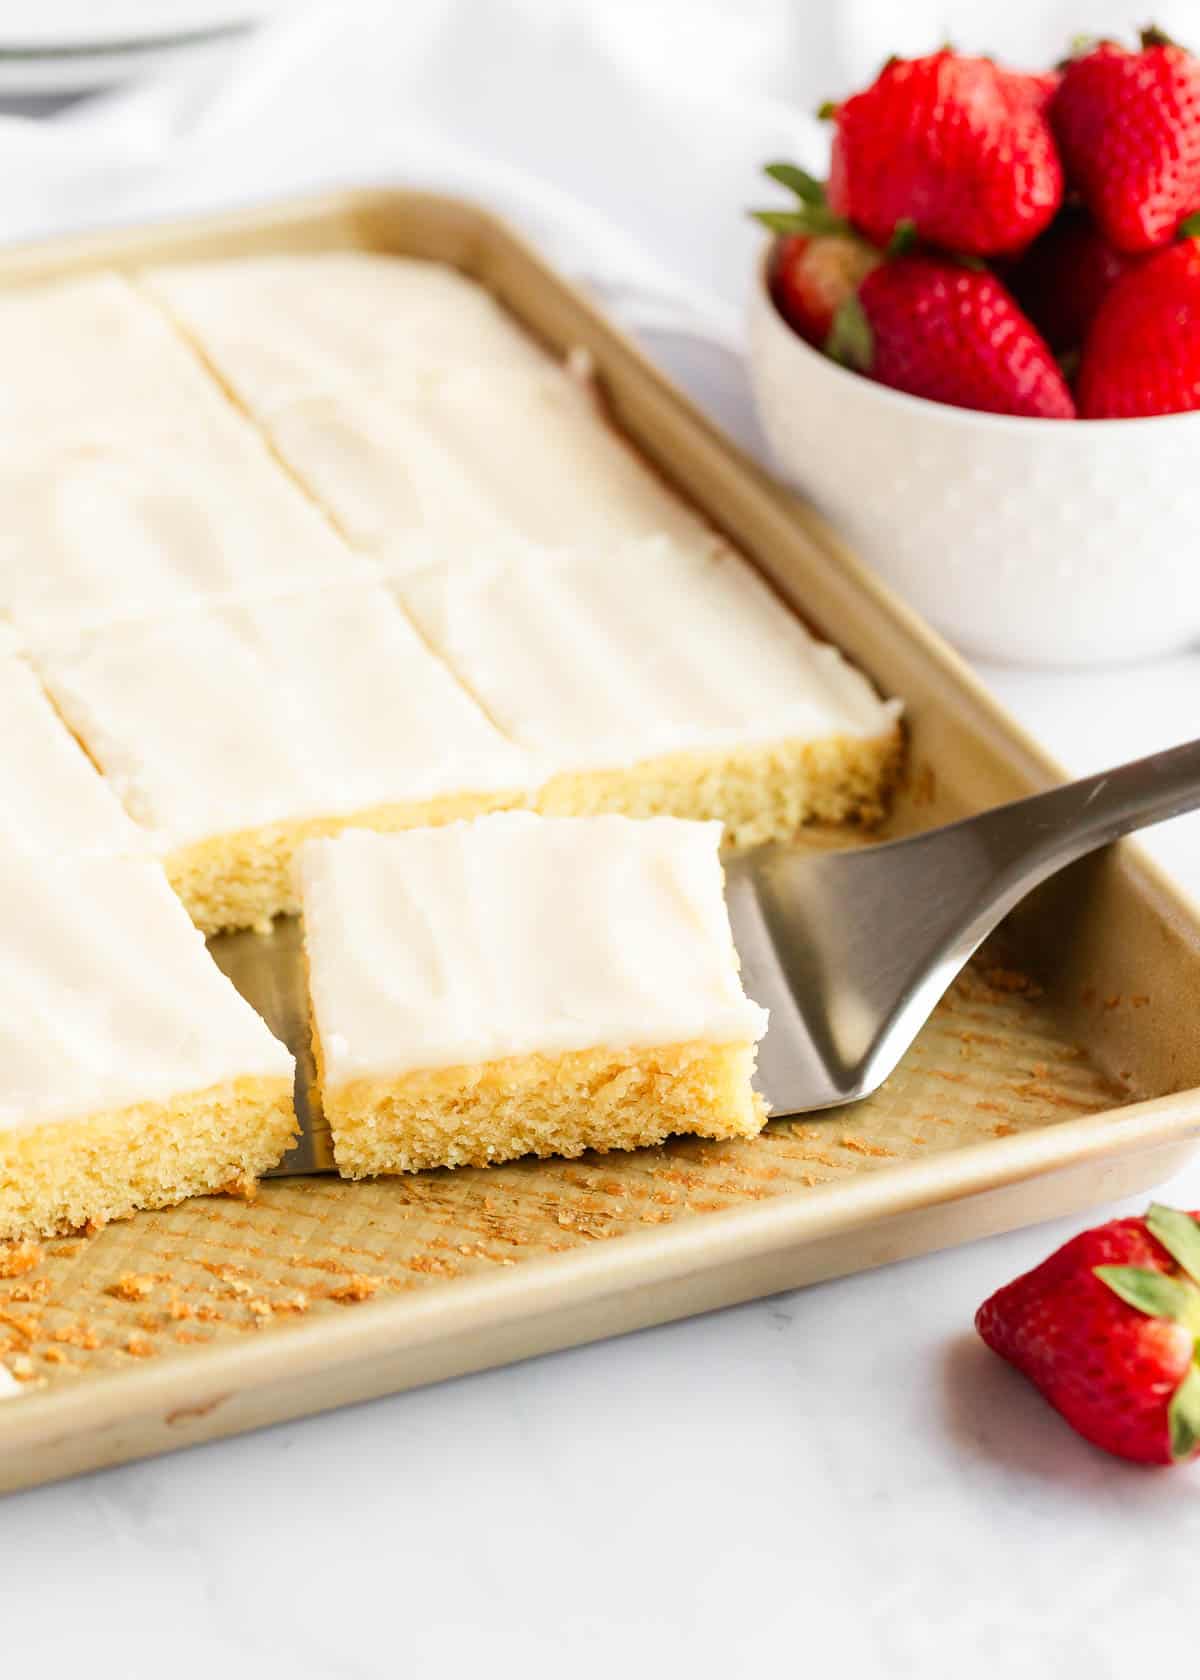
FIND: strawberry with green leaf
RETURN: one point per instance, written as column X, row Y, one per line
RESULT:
column 1108, row 1329
column 818, row 259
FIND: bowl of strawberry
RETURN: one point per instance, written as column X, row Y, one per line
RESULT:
column 976, row 346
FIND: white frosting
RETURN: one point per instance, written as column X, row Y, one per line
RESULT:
column 402, row 396
column 602, row 657
column 392, row 489
column 517, row 934
column 544, row 453
column 132, row 486
column 108, row 996
column 317, row 704
column 87, row 360
column 281, row 328
column 52, row 799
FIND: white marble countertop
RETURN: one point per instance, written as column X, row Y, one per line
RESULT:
column 840, row 1477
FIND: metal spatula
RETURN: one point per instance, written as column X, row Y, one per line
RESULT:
column 849, row 951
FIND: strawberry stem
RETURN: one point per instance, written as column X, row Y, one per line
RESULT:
column 1153, row 36
column 904, row 237
column 1189, row 227
column 827, row 110
column 810, row 219
column 1152, row 1293
column 1179, row 1234
column 805, row 186
column 851, row 341
column 1183, row 1416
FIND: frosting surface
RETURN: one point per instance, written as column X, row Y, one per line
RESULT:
column 281, row 328
column 52, row 799
column 233, row 717
column 131, row 485
column 516, row 934
column 393, row 387
column 108, row 996
column 598, row 658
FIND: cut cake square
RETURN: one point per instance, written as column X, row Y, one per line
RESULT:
column 131, row 485
column 234, row 733
column 659, row 680
column 523, row 985
column 132, row 1074
column 279, row 328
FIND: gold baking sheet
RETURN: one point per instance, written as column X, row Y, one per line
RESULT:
column 1058, row 1071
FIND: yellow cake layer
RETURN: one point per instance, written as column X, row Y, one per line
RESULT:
column 486, row 1112
column 759, row 793
column 65, row 1174
column 246, row 879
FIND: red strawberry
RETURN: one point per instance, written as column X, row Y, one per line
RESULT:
column 956, row 146
column 1107, row 1328
column 1063, row 277
column 1128, row 127
column 812, row 275
column 937, row 329
column 1142, row 355
column 1036, row 87
column 818, row 262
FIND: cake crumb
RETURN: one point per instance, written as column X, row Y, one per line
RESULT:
column 54, row 1356
column 242, row 1189
column 138, row 1345
column 25, row 1326
column 858, row 1146
column 357, row 1287
column 177, row 1308
column 132, row 1286
column 76, row 1335
column 22, row 1367
column 36, row 1289
column 1011, row 980
column 18, row 1258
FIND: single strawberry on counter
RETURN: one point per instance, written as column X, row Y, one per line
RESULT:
column 1065, row 275
column 957, row 146
column 818, row 259
column 936, row 328
column 1142, row 355
column 1128, row 128
column 1107, row 1329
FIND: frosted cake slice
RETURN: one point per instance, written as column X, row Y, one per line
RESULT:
column 232, row 734
column 519, row 985
column 132, row 1074
column 53, row 801
column 284, row 327
column 346, row 383
column 132, row 486
column 656, row 680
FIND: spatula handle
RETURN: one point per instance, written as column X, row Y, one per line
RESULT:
column 1052, row 829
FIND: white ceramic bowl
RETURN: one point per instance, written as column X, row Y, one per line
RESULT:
column 1045, row 542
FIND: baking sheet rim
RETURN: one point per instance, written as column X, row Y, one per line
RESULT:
column 636, row 1260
